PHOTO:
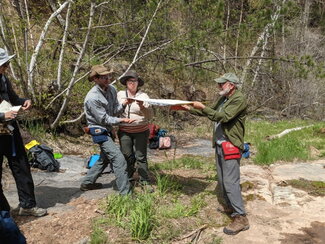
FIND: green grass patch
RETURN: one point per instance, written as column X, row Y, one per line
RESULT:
column 294, row 145
column 167, row 184
column 119, row 207
column 286, row 148
column 315, row 188
column 179, row 209
column 142, row 219
column 186, row 162
column 98, row 235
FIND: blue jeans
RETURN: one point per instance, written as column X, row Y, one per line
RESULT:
column 110, row 151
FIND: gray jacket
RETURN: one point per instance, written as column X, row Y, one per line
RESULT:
column 102, row 108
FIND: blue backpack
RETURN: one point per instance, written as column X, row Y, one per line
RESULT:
column 9, row 231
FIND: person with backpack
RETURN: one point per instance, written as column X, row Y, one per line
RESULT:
column 228, row 113
column 134, row 137
column 101, row 109
column 11, row 144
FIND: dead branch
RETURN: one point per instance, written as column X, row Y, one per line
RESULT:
column 287, row 131
column 195, row 235
column 251, row 57
column 76, row 69
column 74, row 120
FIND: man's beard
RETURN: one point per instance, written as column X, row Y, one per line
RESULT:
column 224, row 92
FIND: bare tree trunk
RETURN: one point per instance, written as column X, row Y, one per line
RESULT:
column 238, row 32
column 64, row 39
column 262, row 40
column 226, row 35
column 304, row 23
column 33, row 60
column 76, row 69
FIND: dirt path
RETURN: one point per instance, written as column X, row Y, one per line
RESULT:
column 278, row 213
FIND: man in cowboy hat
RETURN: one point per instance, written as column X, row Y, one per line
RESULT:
column 11, row 145
column 101, row 109
column 229, row 114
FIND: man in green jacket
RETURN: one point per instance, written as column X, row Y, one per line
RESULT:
column 229, row 114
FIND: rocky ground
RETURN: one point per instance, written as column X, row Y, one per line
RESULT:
column 278, row 213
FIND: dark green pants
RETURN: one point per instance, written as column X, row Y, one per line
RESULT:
column 134, row 149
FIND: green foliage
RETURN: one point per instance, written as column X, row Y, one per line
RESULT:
column 294, row 145
column 285, row 149
column 98, row 236
column 187, row 162
column 179, row 209
column 142, row 217
column 315, row 188
column 166, row 184
column 119, row 208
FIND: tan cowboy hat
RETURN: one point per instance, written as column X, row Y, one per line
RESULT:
column 131, row 74
column 99, row 70
column 4, row 57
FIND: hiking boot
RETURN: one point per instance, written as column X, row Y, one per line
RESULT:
column 225, row 209
column 35, row 211
column 240, row 223
column 94, row 186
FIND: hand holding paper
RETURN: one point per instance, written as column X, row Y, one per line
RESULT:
column 10, row 115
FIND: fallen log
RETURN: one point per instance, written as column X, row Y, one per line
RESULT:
column 286, row 131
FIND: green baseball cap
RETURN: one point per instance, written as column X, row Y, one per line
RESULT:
column 228, row 77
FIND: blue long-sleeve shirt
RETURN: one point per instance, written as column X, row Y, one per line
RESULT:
column 102, row 107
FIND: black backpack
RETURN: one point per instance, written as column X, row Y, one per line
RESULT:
column 42, row 157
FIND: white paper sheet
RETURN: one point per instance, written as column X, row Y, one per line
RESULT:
column 162, row 102
column 6, row 107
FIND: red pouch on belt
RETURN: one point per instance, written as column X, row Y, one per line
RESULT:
column 230, row 151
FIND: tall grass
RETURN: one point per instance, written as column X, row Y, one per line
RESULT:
column 179, row 209
column 119, row 208
column 285, row 149
column 294, row 145
column 166, row 183
column 142, row 217
column 98, row 236
column 186, row 162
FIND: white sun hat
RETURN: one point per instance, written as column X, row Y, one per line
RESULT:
column 4, row 57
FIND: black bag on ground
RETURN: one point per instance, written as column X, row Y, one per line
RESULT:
column 42, row 157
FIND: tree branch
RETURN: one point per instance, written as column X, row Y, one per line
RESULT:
column 72, row 81
column 64, row 38
column 38, row 48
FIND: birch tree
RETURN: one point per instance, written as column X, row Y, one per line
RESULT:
column 33, row 61
column 262, row 40
column 76, row 69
